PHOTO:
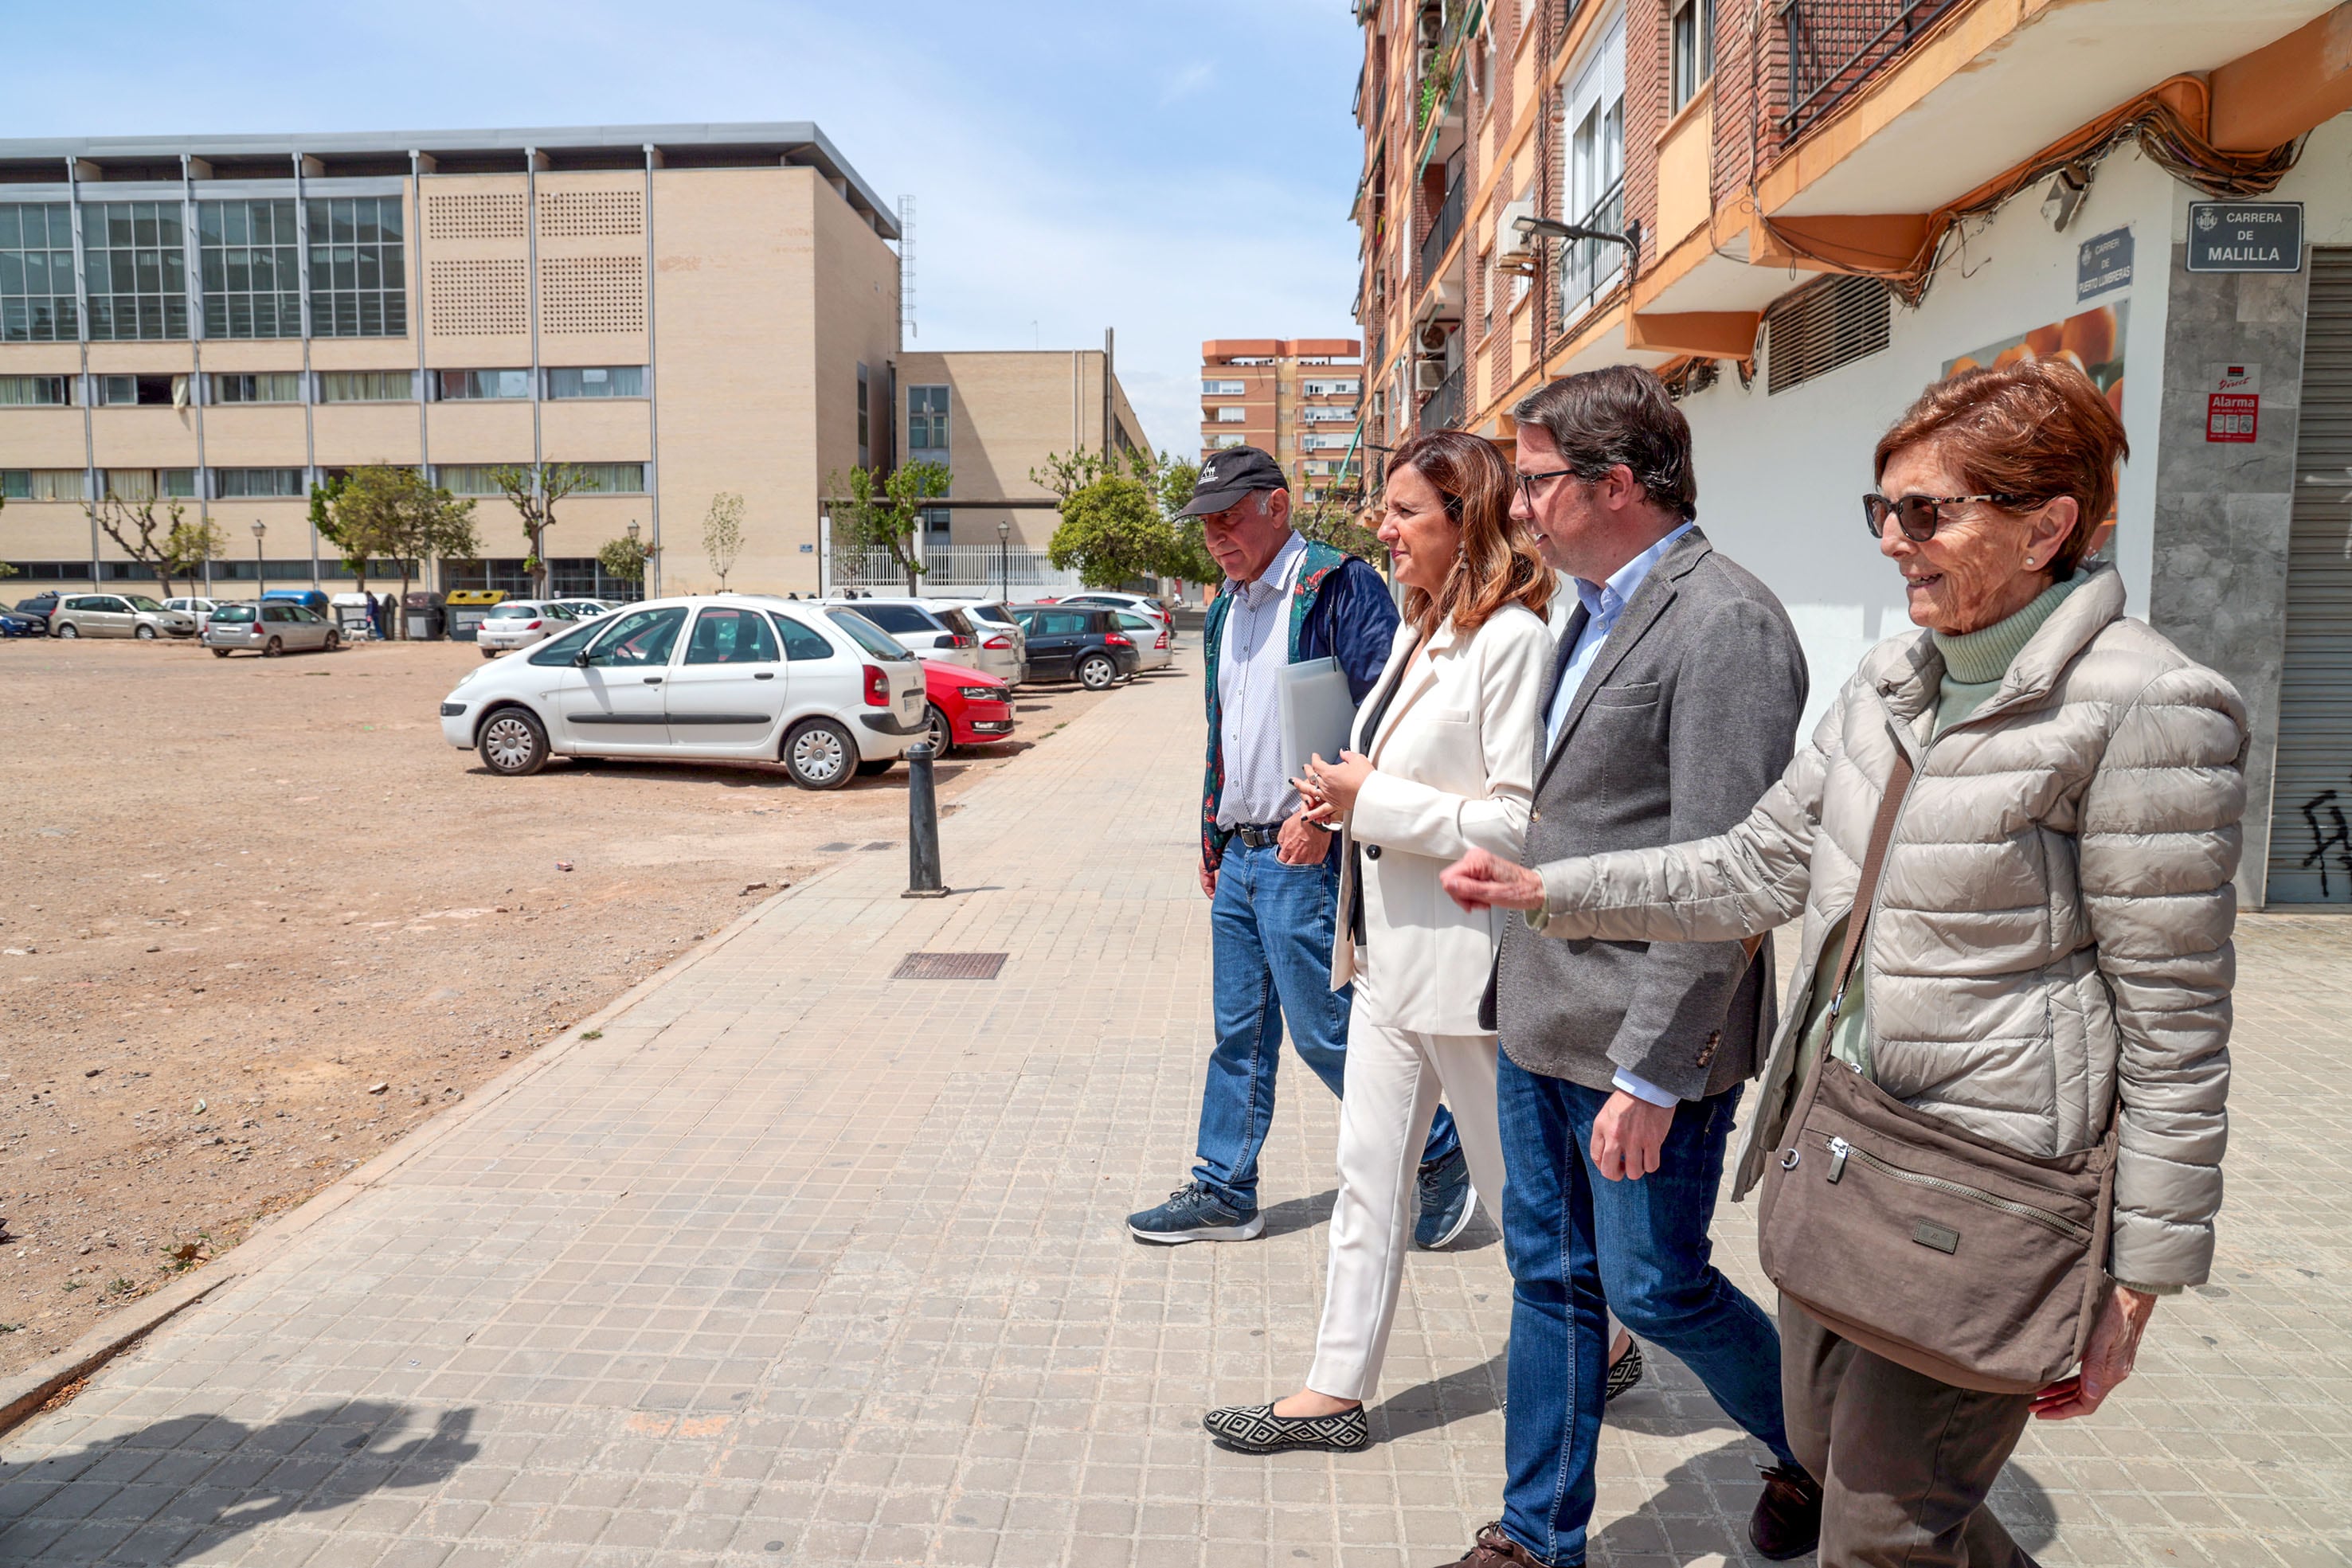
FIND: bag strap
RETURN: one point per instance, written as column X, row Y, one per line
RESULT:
column 1874, row 861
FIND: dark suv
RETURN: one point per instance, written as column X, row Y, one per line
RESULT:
column 1077, row 641
column 41, row 606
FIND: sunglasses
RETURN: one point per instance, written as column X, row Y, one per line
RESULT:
column 1919, row 515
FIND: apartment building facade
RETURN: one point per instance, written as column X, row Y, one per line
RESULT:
column 1822, row 206
column 222, row 322
column 1295, row 398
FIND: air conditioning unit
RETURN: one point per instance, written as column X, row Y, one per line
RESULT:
column 1509, row 243
column 1431, row 337
column 1428, row 375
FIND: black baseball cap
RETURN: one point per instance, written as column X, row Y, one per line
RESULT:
column 1228, row 475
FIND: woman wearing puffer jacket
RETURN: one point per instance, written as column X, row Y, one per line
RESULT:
column 2048, row 944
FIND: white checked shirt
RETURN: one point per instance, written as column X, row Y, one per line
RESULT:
column 1256, row 644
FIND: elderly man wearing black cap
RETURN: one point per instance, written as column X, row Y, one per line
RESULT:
column 1272, row 875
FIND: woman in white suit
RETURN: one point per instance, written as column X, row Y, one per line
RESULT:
column 1442, row 759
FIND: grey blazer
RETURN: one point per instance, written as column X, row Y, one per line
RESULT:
column 1687, row 715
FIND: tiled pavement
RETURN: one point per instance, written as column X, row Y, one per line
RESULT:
column 800, row 1263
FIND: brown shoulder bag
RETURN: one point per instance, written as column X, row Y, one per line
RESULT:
column 1941, row 1250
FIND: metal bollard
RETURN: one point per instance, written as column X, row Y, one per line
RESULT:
column 922, row 826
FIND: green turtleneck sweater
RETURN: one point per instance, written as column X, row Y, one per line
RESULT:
column 1975, row 663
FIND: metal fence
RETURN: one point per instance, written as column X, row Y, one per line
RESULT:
column 1836, row 45
column 1447, row 224
column 1443, row 409
column 1589, row 266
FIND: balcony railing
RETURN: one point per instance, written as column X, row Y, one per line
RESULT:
column 1837, row 46
column 1589, row 266
column 1443, row 409
column 1440, row 237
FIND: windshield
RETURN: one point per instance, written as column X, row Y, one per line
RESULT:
column 141, row 602
column 990, row 612
column 512, row 612
column 559, row 650
column 867, row 636
column 904, row 618
column 234, row 613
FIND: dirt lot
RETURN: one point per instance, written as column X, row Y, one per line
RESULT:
column 260, row 921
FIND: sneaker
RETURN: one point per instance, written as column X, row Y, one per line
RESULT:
column 1447, row 1202
column 1193, row 1213
column 1788, row 1518
column 1624, row 1372
column 1256, row 1429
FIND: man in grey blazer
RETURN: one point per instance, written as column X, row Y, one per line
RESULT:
column 1672, row 707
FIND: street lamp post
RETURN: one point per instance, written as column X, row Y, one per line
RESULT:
column 259, row 582
column 1005, row 560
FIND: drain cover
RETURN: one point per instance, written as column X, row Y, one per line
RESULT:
column 879, row 845
column 950, row 966
column 834, row 848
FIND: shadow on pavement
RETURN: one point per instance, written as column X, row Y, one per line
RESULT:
column 239, row 1477
column 1299, row 1213
column 1441, row 1401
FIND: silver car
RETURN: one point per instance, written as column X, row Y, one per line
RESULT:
column 520, row 622
column 118, row 615
column 270, row 628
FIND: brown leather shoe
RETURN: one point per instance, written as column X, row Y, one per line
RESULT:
column 1493, row 1548
column 1788, row 1518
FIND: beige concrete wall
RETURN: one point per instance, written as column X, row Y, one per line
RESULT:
column 479, row 431
column 1008, row 411
column 350, row 434
column 40, row 437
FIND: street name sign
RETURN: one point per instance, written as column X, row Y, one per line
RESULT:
column 2245, row 236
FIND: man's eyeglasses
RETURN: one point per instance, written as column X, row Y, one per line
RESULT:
column 1528, row 482
column 1918, row 516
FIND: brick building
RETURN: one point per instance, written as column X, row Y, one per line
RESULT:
column 1296, row 398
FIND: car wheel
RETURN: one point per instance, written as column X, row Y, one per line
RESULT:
column 68, row 629
column 220, row 653
column 334, row 641
column 1097, row 674
column 820, row 755
column 513, row 744
column 272, row 648
column 940, row 733
column 145, row 634
column 490, row 653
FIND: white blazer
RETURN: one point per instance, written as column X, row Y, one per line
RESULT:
column 1454, row 769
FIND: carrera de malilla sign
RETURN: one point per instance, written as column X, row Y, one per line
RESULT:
column 2245, row 236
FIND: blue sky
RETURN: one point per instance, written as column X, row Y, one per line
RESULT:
column 1175, row 169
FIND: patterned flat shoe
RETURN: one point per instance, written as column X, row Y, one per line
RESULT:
column 1256, row 1429
column 1626, row 1371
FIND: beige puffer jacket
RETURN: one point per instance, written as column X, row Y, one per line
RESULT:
column 2053, row 922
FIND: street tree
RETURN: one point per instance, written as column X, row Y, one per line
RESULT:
column 1189, row 560
column 623, row 558
column 1067, row 473
column 392, row 513
column 1111, row 532
column 722, row 534
column 874, row 510
column 5, row 570
column 158, row 544
column 188, row 546
column 534, row 488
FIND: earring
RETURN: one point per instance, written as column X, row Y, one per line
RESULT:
column 2028, row 560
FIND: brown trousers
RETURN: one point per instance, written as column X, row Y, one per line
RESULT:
column 1905, row 1461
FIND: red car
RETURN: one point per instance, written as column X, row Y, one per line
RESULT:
column 967, row 707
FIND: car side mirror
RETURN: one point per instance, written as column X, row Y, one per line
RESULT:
column 580, row 659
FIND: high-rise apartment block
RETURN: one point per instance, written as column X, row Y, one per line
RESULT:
column 1296, row 398
column 223, row 321
column 1802, row 214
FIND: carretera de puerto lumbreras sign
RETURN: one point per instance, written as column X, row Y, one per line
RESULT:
column 2245, row 236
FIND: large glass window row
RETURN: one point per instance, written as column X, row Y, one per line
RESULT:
column 37, row 275
column 358, row 280
column 250, row 259
column 137, row 271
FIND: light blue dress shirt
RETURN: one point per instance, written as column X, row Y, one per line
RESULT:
column 1604, row 606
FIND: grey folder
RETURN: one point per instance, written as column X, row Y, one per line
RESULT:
column 1318, row 711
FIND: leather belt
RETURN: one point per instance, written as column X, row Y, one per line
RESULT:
column 1257, row 835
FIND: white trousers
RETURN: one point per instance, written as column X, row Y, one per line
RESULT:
column 1394, row 1079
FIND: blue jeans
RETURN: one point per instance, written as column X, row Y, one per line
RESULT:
column 1271, row 926
column 1580, row 1245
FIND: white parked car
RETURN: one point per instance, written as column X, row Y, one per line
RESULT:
column 520, row 622
column 992, row 621
column 586, row 609
column 118, row 615
column 921, row 630
column 1141, row 603
column 201, row 609
column 1155, row 643
column 745, row 677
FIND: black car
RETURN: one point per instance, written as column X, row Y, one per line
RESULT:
column 1077, row 641
column 23, row 624
column 40, row 607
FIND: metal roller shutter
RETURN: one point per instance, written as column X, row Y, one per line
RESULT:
column 2310, row 810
